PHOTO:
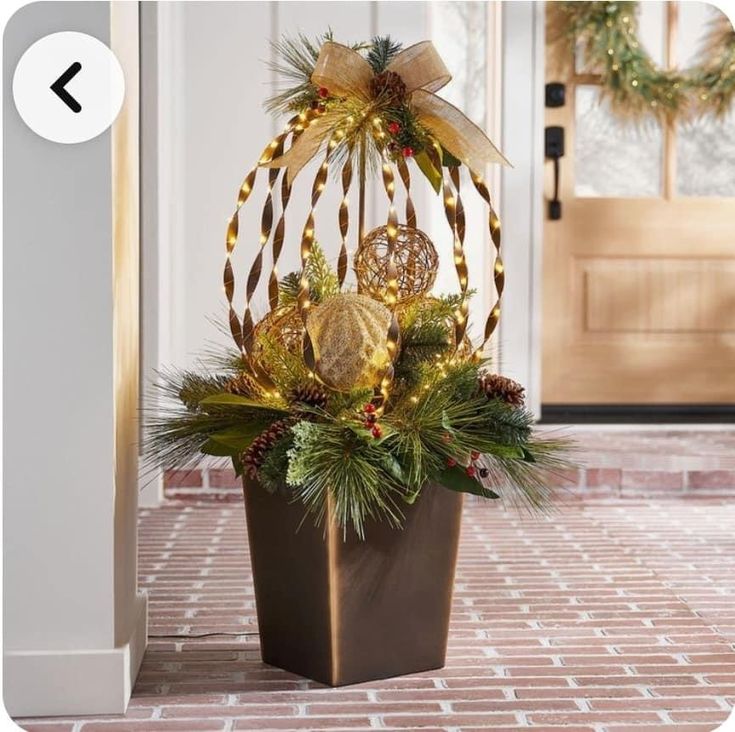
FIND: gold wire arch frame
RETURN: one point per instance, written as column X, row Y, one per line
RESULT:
column 244, row 330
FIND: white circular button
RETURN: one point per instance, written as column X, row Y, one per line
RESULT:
column 68, row 87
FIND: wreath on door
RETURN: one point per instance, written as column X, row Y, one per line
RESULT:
column 606, row 36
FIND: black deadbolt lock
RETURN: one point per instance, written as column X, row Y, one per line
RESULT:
column 555, row 94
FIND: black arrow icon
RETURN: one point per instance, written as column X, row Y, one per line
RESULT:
column 58, row 87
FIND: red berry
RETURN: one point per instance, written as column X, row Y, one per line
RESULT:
column 323, row 92
column 369, row 408
column 371, row 418
column 377, row 432
column 321, row 108
column 451, row 462
column 394, row 128
column 470, row 470
column 474, row 455
column 407, row 152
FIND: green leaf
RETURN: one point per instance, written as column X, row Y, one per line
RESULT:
column 235, row 400
column 391, row 466
column 218, row 449
column 433, row 175
column 233, row 441
column 239, row 437
column 448, row 160
column 457, row 480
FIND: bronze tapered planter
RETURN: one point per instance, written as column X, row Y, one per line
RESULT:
column 341, row 611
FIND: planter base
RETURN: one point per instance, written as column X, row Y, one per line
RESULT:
column 345, row 611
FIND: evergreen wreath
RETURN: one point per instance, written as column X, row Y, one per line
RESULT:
column 606, row 34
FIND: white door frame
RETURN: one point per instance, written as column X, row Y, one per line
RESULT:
column 521, row 194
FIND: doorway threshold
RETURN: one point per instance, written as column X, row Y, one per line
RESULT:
column 653, row 414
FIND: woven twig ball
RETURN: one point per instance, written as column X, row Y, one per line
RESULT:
column 415, row 258
column 349, row 335
column 282, row 326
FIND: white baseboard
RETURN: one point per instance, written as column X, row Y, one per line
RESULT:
column 73, row 682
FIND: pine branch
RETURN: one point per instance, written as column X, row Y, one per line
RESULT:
column 382, row 51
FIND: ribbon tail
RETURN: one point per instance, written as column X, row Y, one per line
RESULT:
column 456, row 132
column 302, row 151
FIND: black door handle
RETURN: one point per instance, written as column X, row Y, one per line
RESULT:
column 554, row 149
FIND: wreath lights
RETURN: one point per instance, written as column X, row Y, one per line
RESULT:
column 606, row 34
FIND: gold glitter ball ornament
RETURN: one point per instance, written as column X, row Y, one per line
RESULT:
column 415, row 258
column 349, row 335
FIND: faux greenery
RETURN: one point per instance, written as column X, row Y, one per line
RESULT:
column 440, row 427
column 606, row 35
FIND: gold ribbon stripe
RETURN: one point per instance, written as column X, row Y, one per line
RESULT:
column 278, row 238
column 233, row 224
column 307, row 245
column 405, row 174
column 344, row 220
column 266, row 225
column 498, row 270
column 460, row 261
column 391, row 290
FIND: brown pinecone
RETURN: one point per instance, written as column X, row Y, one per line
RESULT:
column 495, row 386
column 389, row 85
column 242, row 385
column 254, row 456
column 310, row 395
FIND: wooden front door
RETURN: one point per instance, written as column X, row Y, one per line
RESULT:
column 639, row 272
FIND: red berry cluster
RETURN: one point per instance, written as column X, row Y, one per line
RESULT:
column 322, row 93
column 471, row 469
column 395, row 129
column 371, row 420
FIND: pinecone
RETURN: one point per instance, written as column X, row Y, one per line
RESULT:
column 310, row 395
column 254, row 457
column 495, row 386
column 389, row 85
column 242, row 385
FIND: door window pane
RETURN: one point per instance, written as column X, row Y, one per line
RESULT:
column 691, row 30
column 705, row 148
column 613, row 157
column 705, row 152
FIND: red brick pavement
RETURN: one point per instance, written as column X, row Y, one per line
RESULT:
column 605, row 616
column 615, row 463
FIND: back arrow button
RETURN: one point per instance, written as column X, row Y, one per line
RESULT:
column 58, row 87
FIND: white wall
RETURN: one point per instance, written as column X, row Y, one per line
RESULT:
column 213, row 82
column 74, row 627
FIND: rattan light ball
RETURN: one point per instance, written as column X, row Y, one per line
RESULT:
column 415, row 258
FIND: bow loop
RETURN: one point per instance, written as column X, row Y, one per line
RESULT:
column 421, row 67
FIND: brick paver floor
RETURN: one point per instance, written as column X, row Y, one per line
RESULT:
column 608, row 615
